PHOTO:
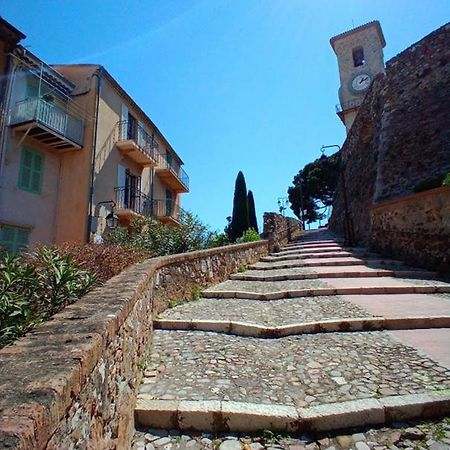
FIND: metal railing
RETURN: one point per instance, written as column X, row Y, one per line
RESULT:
column 178, row 172
column 141, row 203
column 127, row 130
column 50, row 115
column 167, row 208
column 348, row 105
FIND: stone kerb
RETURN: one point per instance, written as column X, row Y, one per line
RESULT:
column 415, row 228
column 72, row 382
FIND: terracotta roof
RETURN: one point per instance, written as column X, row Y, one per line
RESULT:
column 374, row 23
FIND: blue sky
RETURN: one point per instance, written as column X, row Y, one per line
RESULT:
column 234, row 85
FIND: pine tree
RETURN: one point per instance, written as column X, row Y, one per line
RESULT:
column 252, row 212
column 239, row 220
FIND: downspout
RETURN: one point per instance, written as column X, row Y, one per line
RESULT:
column 97, row 74
column 5, row 105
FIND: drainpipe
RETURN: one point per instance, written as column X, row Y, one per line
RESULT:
column 5, row 106
column 97, row 75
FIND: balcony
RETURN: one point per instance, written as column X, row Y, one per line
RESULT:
column 351, row 104
column 167, row 212
column 132, row 140
column 176, row 179
column 131, row 203
column 134, row 203
column 48, row 123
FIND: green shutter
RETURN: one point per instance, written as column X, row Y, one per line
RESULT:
column 31, row 173
column 14, row 239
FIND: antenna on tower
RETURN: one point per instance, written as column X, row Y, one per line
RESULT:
column 353, row 23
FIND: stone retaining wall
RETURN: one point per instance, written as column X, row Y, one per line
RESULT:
column 415, row 228
column 279, row 230
column 400, row 136
column 71, row 383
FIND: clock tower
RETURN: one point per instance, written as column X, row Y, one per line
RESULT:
column 360, row 57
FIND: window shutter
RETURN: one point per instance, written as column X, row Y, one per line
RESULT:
column 31, row 171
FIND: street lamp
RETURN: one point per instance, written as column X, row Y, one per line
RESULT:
column 348, row 223
column 112, row 221
column 282, row 204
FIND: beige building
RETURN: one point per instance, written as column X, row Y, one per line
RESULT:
column 360, row 57
column 74, row 148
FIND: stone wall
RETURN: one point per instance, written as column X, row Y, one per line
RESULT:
column 401, row 134
column 279, row 230
column 415, row 228
column 71, row 383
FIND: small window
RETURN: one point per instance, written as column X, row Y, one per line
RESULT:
column 14, row 239
column 31, row 171
column 358, row 56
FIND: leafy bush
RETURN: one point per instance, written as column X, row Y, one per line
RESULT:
column 105, row 260
column 249, row 235
column 429, row 183
column 35, row 286
column 446, row 181
column 218, row 240
column 159, row 239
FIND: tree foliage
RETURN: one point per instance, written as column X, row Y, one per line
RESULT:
column 253, row 222
column 314, row 187
column 240, row 218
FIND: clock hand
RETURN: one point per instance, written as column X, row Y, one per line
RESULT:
column 363, row 79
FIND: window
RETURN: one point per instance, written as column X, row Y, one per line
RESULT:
column 31, row 172
column 358, row 56
column 14, row 239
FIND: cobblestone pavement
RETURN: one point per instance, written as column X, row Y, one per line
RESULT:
column 270, row 313
column 299, row 370
column 264, row 287
column 433, row 435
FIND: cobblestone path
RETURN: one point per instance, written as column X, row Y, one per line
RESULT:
column 338, row 375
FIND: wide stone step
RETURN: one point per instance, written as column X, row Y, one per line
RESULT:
column 294, row 256
column 310, row 250
column 272, row 290
column 217, row 382
column 347, row 261
column 312, row 244
column 327, row 272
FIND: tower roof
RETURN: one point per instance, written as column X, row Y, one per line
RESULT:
column 374, row 23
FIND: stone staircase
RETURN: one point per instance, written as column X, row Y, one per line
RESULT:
column 316, row 337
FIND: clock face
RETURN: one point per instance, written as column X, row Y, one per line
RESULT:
column 361, row 82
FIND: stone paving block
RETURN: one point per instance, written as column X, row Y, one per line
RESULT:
column 405, row 407
column 156, row 413
column 199, row 415
column 248, row 417
column 342, row 415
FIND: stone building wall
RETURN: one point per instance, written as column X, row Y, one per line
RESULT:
column 279, row 230
column 401, row 134
column 71, row 383
column 415, row 228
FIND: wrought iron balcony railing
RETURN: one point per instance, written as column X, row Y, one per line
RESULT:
column 179, row 173
column 167, row 209
column 140, row 203
column 51, row 116
column 131, row 131
column 348, row 105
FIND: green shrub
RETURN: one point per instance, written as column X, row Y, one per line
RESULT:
column 249, row 235
column 218, row 240
column 159, row 239
column 446, row 181
column 34, row 286
column 429, row 183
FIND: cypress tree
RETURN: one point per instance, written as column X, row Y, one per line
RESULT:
column 239, row 220
column 252, row 212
